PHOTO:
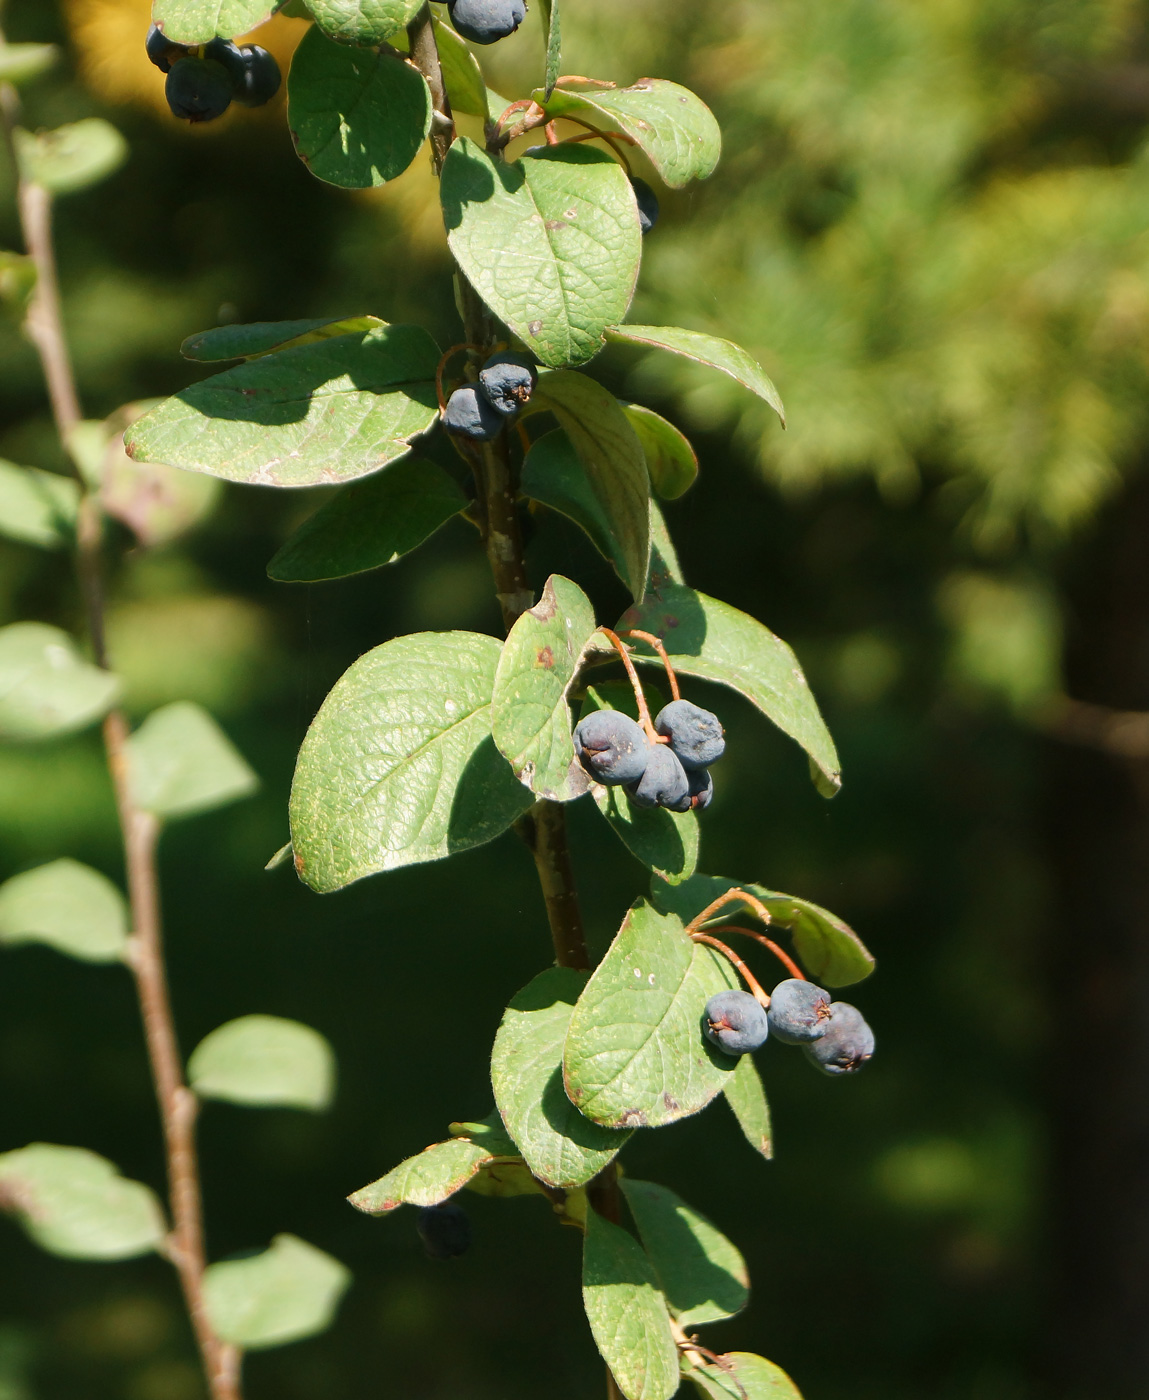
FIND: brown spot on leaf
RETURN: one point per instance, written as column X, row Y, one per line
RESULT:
column 553, row 225
column 545, row 658
column 670, row 1103
column 535, row 327
column 632, row 1118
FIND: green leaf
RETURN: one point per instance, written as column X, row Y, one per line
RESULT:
column 560, row 1146
column 37, row 507
column 194, row 22
column 21, row 62
column 749, row 1378
column 467, row 91
column 290, row 1291
column 504, row 1179
column 665, row 842
column 554, row 43
column 17, row 282
column 829, row 950
column 709, row 350
column 747, row 1100
column 673, row 128
column 72, row 157
column 664, row 565
column 712, row 640
column 363, row 22
column 700, row 1272
column 670, row 459
column 68, row 906
column 75, row 1203
column 46, row 686
column 613, row 462
column 436, row 1173
column 357, row 116
column 311, row 415
column 635, row 1054
column 568, row 214
column 530, row 716
column 490, row 1133
column 262, row 337
column 181, row 763
column 627, row 1313
column 399, row 766
column 370, row 523
column 553, row 475
column 264, row 1061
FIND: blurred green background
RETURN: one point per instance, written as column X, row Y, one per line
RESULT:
column 931, row 224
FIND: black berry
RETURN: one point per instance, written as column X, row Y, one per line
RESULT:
column 444, row 1229
column 647, row 204
column 198, row 89
column 162, row 52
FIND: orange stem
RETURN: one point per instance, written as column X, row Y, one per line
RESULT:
column 783, row 957
column 442, row 365
column 756, row 988
column 643, row 709
column 730, row 897
column 656, row 643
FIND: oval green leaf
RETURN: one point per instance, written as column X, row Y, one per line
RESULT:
column 46, row 687
column 743, row 1376
column 181, row 763
column 69, row 907
column 21, row 62
column 670, row 459
column 747, row 1099
column 37, row 507
column 264, row 1061
column 425, row 1180
column 363, row 22
column 71, row 157
column 194, row 22
column 262, row 337
column 291, row 1290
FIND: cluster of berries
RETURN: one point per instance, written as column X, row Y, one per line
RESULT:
column 478, row 411
column 204, row 81
column 833, row 1034
column 616, row 751
column 486, row 21
column 444, row 1229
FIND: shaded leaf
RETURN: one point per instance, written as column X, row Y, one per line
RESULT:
column 504, row 1179
column 21, row 62
column 181, row 763
column 291, row 1290
column 747, row 1099
column 530, row 716
column 370, row 523
column 673, row 128
column 357, row 116
column 467, row 91
column 72, row 157
column 670, row 459
column 262, row 337
column 157, row 503
column 264, row 1060
column 554, row 43
column 425, row 1180
column 702, row 1275
column 627, row 1314
column 569, row 214
column 560, row 1146
column 75, row 1203
column 37, row 507
column 712, row 640
column 399, row 766
column 664, row 565
column 759, row 1379
column 309, row 415
column 635, row 1054
column 363, row 22
column 68, row 906
column 17, row 281
column 196, row 21
column 46, row 686
column 709, row 350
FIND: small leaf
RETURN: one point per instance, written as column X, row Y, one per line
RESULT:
column 670, row 459
column 463, row 78
column 46, row 687
column 712, row 640
column 635, row 1054
column 157, row 503
column 311, row 415
column 436, row 1173
column 398, row 766
column 194, row 22
column 357, row 116
column 553, row 475
column 749, row 1377
column 673, row 128
column 37, row 507
column 264, row 1060
column 75, row 1203
column 702, row 1275
column 613, row 461
column 560, row 1146
column 21, row 62
column 363, row 22
column 530, row 717
column 664, row 565
column 568, row 213
column 830, row 951
column 262, row 337
column 72, row 157
column 627, row 1314
column 182, row 763
column 747, row 1099
column 370, row 523
column 290, row 1291
column 281, row 857
column 554, row 44
column 68, row 906
column 709, row 350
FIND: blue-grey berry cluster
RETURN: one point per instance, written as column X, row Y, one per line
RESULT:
column 203, row 82
column 478, row 411
column 833, row 1034
column 617, row 752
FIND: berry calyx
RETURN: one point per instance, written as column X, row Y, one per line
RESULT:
column 847, row 1044
column 735, row 1022
column 508, row 380
column 444, row 1229
column 799, row 1011
column 469, row 414
column 696, row 736
column 612, row 747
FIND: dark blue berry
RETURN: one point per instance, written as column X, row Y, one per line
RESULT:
column 261, row 77
column 612, row 747
column 198, row 89
column 847, row 1044
column 508, row 380
column 470, row 415
column 162, row 52
column 799, row 1011
column 735, row 1022
column 486, row 21
column 695, row 734
column 701, row 789
column 444, row 1230
column 647, row 204
column 663, row 784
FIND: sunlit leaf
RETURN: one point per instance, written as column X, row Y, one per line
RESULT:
column 263, row 1061
column 463, row 78
column 425, row 1180
column 553, row 28
column 71, row 157
column 196, row 21
column 37, row 507
column 181, row 762
column 363, row 22
column 68, row 906
column 19, row 63
column 709, row 350
column 248, row 342
column 291, row 1290
column 742, row 1377
column 46, row 686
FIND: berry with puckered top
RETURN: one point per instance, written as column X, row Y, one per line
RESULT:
column 847, row 1044
column 470, row 415
column 612, row 747
column 735, row 1022
column 799, row 1011
column 695, row 735
column 508, row 379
